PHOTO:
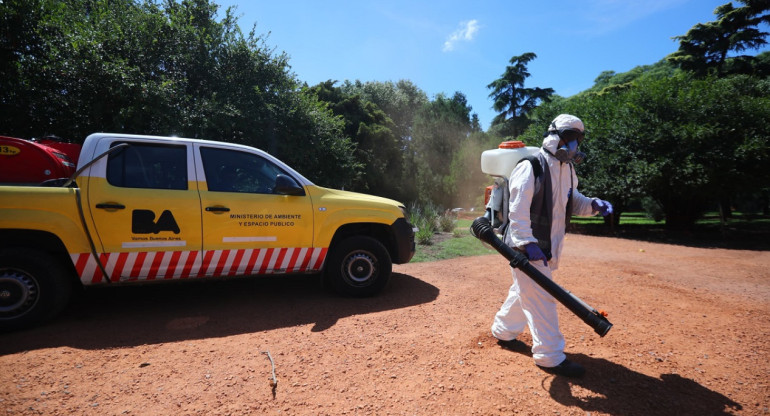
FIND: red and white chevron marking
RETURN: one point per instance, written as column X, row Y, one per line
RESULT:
column 160, row 265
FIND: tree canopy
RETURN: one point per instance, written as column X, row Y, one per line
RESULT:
column 706, row 47
column 687, row 132
column 75, row 67
column 512, row 100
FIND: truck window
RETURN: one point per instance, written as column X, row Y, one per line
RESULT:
column 234, row 171
column 149, row 166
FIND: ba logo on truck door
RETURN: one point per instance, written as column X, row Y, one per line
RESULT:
column 143, row 222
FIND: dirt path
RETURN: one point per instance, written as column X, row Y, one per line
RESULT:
column 690, row 337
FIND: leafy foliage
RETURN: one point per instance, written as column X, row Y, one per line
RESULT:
column 683, row 141
column 378, row 149
column 400, row 101
column 512, row 100
column 705, row 48
column 78, row 66
column 680, row 134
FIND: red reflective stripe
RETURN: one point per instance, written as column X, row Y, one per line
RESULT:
column 189, row 264
column 182, row 264
column 321, row 257
column 205, row 264
column 80, row 264
column 137, row 268
column 172, row 264
column 98, row 275
column 259, row 261
column 156, row 261
column 279, row 260
column 117, row 271
column 236, row 262
column 266, row 261
column 222, row 262
column 252, row 261
column 294, row 258
column 306, row 260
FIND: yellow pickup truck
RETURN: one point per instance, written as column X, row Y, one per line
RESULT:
column 148, row 208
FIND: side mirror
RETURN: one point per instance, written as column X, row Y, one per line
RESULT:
column 285, row 185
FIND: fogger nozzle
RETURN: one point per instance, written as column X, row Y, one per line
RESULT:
column 481, row 229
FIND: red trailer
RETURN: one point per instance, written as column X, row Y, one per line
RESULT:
column 33, row 162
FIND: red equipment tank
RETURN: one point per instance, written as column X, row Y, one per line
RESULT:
column 32, row 162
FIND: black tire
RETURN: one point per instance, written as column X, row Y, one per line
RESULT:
column 358, row 266
column 33, row 288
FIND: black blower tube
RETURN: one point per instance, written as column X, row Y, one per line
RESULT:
column 482, row 230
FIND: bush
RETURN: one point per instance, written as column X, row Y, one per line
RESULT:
column 425, row 219
column 446, row 222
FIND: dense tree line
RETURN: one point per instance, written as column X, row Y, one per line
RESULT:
column 683, row 134
column 687, row 134
column 75, row 67
column 685, row 143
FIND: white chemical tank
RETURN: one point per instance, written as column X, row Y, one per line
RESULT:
column 501, row 161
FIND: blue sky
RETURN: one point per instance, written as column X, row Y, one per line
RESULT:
column 448, row 46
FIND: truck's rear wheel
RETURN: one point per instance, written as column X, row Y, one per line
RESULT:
column 33, row 287
column 359, row 266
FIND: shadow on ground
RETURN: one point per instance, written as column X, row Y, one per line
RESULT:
column 109, row 317
column 616, row 390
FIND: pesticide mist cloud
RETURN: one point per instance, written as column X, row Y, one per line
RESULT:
column 465, row 33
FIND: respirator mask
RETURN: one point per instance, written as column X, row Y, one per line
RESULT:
column 568, row 151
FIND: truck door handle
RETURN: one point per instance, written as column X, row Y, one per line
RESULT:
column 217, row 209
column 110, row 206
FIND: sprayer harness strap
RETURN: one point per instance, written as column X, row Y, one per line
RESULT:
column 541, row 210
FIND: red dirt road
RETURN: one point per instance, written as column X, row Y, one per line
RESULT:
column 690, row 337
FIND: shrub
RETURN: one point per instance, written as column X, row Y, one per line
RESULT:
column 425, row 219
column 446, row 222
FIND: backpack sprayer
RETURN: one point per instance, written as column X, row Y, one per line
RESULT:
column 500, row 162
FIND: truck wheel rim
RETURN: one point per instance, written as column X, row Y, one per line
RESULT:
column 359, row 268
column 18, row 293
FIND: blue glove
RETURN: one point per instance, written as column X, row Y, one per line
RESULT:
column 535, row 253
column 604, row 207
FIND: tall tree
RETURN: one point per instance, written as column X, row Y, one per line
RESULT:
column 706, row 46
column 512, row 100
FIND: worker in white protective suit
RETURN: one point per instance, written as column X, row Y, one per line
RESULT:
column 538, row 216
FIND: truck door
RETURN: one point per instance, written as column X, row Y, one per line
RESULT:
column 146, row 212
column 248, row 228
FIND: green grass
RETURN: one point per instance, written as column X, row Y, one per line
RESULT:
column 708, row 219
column 628, row 218
column 740, row 232
column 450, row 245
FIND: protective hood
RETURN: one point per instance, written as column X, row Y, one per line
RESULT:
column 551, row 142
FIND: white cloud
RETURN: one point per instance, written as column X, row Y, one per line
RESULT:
column 465, row 33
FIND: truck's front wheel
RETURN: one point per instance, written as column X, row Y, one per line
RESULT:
column 32, row 288
column 359, row 266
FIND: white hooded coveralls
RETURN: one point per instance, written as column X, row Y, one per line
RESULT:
column 527, row 302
